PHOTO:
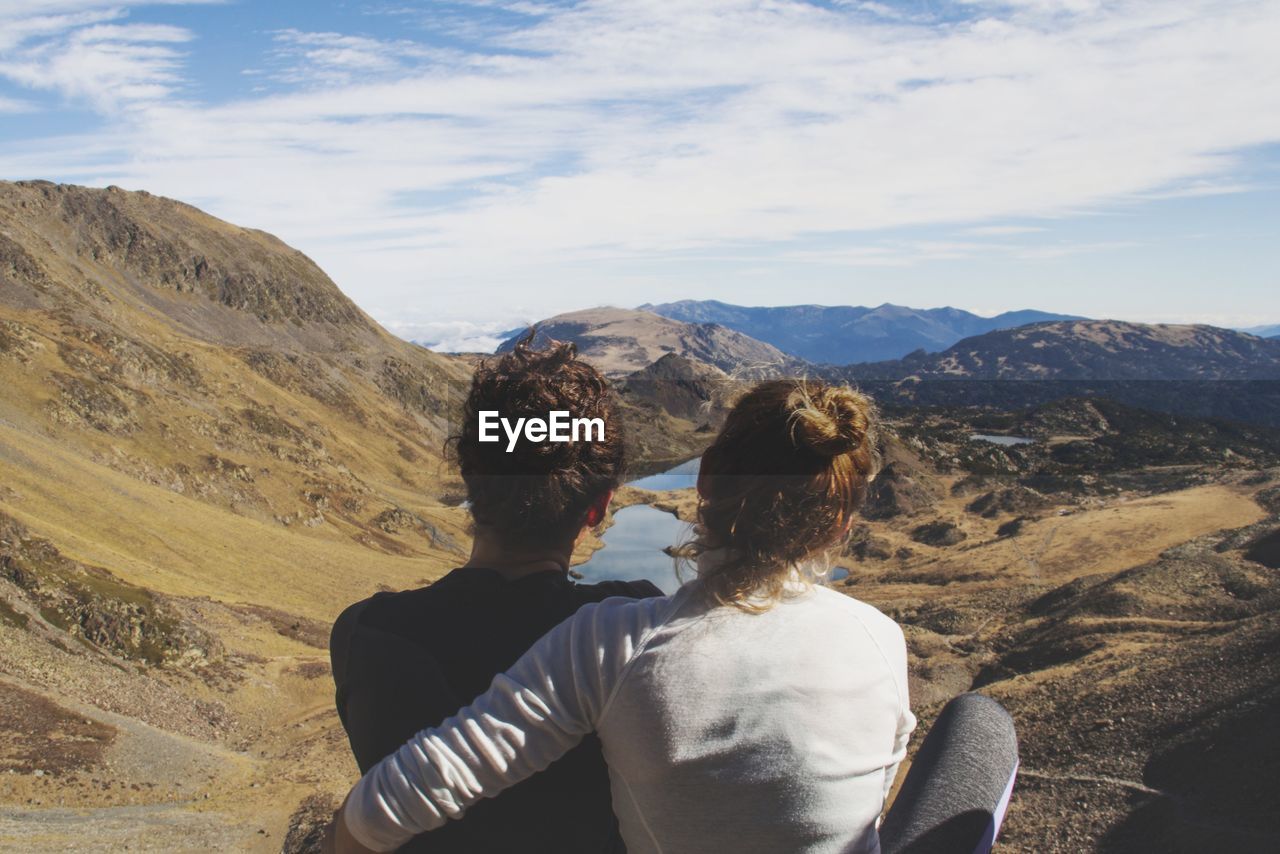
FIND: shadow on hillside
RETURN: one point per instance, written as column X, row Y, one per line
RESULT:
column 1219, row 776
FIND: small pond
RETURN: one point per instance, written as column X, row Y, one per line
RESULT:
column 1001, row 440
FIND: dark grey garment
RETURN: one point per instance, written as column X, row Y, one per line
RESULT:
column 406, row 661
column 955, row 795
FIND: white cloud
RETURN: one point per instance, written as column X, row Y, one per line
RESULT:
column 334, row 59
column 16, row 30
column 26, row 9
column 454, row 336
column 908, row 253
column 1002, row 230
column 641, row 129
column 1042, row 6
column 1062, row 250
column 81, row 57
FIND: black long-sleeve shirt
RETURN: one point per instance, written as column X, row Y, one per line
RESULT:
column 406, row 661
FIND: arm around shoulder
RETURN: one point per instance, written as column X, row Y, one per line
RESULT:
column 530, row 716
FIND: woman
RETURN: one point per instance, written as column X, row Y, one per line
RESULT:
column 754, row 710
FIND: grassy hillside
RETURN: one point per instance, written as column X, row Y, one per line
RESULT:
column 206, row 451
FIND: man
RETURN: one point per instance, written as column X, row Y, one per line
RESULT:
column 406, row 661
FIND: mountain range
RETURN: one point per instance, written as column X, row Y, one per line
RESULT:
column 841, row 335
column 1268, row 331
column 1092, row 350
column 1196, row 370
column 1202, row 371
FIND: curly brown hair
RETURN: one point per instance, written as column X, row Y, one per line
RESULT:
column 780, row 485
column 539, row 493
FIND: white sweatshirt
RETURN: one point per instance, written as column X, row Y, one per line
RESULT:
column 723, row 730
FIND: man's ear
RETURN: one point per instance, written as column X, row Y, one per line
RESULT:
column 598, row 508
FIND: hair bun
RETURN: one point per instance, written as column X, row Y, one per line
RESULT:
column 832, row 421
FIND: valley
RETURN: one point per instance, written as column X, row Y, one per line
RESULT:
column 207, row 451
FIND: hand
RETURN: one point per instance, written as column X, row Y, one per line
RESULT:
column 338, row 839
column 329, row 843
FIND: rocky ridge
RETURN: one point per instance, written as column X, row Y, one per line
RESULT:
column 620, row 341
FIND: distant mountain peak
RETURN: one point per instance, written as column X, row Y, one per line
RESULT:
column 847, row 334
column 620, row 341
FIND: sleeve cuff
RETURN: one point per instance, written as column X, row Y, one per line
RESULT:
column 356, row 813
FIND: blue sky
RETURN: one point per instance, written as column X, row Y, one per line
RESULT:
column 462, row 167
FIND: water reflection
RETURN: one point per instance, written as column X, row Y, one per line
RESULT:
column 633, row 548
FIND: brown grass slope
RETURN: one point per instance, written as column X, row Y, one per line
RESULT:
column 214, row 362
column 206, row 451
column 1115, row 586
column 1145, row 697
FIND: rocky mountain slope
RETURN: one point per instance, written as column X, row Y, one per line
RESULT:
column 841, row 335
column 206, row 451
column 213, row 361
column 684, row 388
column 1113, row 583
column 1202, row 371
column 671, row 409
column 620, row 341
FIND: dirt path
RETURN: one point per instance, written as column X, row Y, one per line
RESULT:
column 151, row 827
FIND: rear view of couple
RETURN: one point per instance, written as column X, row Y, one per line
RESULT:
column 506, row 709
